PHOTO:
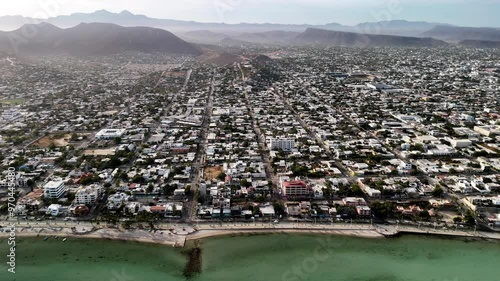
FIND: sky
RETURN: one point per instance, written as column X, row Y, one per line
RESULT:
column 348, row 12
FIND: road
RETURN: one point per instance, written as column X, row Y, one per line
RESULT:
column 387, row 230
column 199, row 162
column 11, row 62
column 242, row 73
column 261, row 140
column 315, row 137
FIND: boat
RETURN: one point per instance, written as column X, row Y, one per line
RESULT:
column 64, row 240
column 45, row 239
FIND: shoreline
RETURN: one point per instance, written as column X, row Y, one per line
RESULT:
column 361, row 233
column 173, row 239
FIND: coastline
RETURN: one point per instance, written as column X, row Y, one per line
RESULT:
column 178, row 236
column 203, row 234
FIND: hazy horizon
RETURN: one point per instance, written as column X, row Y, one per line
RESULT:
column 314, row 12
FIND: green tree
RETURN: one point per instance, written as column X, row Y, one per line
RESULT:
column 438, row 191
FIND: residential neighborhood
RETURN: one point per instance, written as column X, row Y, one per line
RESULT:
column 306, row 135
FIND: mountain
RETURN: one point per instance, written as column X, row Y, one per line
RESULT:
column 9, row 23
column 269, row 37
column 91, row 39
column 126, row 18
column 457, row 34
column 204, row 36
column 396, row 27
column 338, row 38
column 480, row 44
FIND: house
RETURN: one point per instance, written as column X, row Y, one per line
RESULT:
column 267, row 211
column 411, row 210
column 363, row 211
column 116, row 200
column 54, row 210
column 354, row 201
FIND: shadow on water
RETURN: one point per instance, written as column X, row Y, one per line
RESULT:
column 193, row 263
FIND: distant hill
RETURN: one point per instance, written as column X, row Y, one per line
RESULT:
column 93, row 39
column 269, row 37
column 338, row 38
column 204, row 36
column 480, row 44
column 220, row 58
column 395, row 27
column 262, row 58
column 229, row 41
column 457, row 34
column 126, row 18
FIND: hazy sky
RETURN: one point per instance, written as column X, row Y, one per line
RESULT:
column 460, row 12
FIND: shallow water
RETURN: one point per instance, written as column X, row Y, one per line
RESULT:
column 261, row 257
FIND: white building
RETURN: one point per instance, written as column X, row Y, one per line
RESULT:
column 10, row 114
column 87, row 195
column 109, row 134
column 54, row 189
column 488, row 131
column 287, row 145
column 116, row 200
column 460, row 143
column 54, row 210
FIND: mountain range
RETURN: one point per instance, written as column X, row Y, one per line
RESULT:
column 339, row 38
column 91, row 39
column 214, row 32
column 126, row 18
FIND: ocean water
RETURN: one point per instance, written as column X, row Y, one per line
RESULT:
column 255, row 258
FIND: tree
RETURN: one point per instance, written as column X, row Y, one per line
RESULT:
column 187, row 189
column 438, row 191
column 150, row 188
column 279, row 209
column 245, row 183
column 221, row 176
column 382, row 210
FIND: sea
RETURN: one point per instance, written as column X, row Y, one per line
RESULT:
column 270, row 257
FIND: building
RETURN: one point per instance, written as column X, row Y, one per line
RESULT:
column 54, row 189
column 294, row 189
column 287, row 145
column 456, row 143
column 363, row 211
column 354, row 201
column 109, row 134
column 87, row 195
column 10, row 114
column 54, row 210
column 117, row 200
column 488, row 131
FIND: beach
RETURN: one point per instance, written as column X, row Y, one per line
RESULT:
column 176, row 235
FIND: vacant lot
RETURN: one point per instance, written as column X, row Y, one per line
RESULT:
column 12, row 102
column 100, row 152
column 211, row 173
column 54, row 139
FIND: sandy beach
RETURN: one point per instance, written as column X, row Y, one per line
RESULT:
column 177, row 235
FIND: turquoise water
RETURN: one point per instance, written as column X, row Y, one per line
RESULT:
column 262, row 257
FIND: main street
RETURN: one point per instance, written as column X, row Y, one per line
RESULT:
column 199, row 162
